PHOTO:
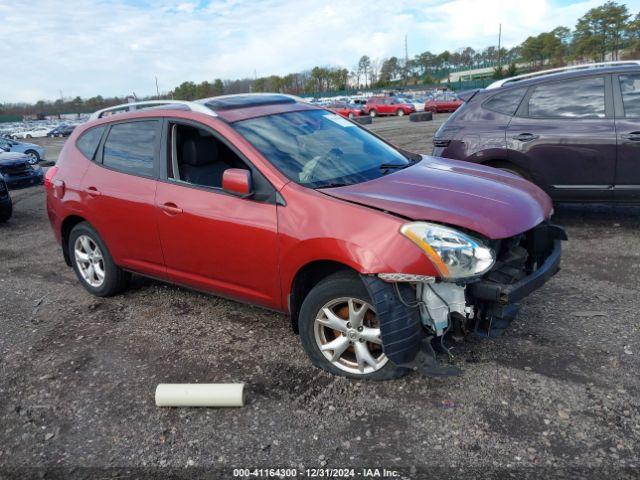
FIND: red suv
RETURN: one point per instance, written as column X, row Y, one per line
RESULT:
column 373, row 251
column 387, row 106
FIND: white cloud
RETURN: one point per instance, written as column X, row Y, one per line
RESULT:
column 115, row 47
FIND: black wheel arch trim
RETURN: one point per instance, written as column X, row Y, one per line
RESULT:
column 400, row 325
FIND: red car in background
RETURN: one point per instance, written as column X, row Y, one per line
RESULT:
column 347, row 110
column 443, row 102
column 387, row 106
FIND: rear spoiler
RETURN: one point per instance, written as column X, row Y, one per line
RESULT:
column 468, row 94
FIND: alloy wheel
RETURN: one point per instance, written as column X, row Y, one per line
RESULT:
column 89, row 260
column 347, row 333
column 33, row 158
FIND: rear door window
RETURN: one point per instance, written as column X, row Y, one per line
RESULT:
column 506, row 102
column 581, row 98
column 630, row 89
column 89, row 141
column 133, row 147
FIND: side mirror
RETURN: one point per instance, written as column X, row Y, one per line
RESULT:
column 237, row 181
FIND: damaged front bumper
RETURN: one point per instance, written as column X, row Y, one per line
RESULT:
column 488, row 291
column 484, row 306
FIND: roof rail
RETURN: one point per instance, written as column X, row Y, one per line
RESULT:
column 130, row 107
column 584, row 66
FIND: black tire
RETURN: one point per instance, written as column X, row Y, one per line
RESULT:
column 115, row 279
column 421, row 117
column 6, row 211
column 338, row 285
column 33, row 156
column 351, row 115
column 364, row 120
column 373, row 113
column 28, row 135
column 513, row 171
column 400, row 112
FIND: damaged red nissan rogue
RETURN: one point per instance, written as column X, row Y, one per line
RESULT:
column 373, row 251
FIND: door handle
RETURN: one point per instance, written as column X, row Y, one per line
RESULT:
column 632, row 137
column 171, row 208
column 93, row 191
column 525, row 137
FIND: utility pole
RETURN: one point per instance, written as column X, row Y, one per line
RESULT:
column 406, row 61
column 157, row 89
column 499, row 42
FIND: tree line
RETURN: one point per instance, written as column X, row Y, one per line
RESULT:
column 607, row 32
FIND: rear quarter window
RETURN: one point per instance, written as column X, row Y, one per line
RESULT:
column 506, row 102
column 131, row 147
column 89, row 140
column 579, row 98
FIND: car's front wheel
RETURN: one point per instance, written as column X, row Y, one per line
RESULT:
column 351, row 115
column 93, row 264
column 340, row 331
column 400, row 112
column 6, row 211
column 373, row 113
column 33, row 156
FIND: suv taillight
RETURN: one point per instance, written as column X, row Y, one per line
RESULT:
column 48, row 177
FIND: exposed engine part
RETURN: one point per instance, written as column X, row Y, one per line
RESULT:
column 438, row 302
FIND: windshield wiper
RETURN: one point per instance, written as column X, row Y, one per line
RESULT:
column 333, row 185
column 397, row 166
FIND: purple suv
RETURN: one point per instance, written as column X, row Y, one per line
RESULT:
column 576, row 134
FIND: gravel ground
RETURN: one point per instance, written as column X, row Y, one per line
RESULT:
column 557, row 395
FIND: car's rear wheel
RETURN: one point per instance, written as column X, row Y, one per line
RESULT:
column 33, row 156
column 340, row 331
column 351, row 115
column 512, row 171
column 28, row 135
column 400, row 112
column 373, row 113
column 93, row 264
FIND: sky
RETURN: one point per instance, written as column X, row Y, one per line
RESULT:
column 116, row 47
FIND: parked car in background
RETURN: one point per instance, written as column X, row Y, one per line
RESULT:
column 275, row 202
column 575, row 132
column 35, row 152
column 6, row 205
column 443, row 102
column 36, row 132
column 418, row 103
column 345, row 109
column 61, row 131
column 376, row 106
column 18, row 172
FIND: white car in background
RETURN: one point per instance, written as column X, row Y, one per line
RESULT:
column 417, row 102
column 35, row 132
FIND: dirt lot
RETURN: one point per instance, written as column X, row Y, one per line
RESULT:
column 559, row 391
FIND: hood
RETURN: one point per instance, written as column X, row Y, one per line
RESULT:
column 493, row 203
column 25, row 145
column 12, row 159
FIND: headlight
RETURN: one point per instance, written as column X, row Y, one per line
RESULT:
column 454, row 254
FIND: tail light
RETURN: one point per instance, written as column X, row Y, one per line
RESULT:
column 48, row 177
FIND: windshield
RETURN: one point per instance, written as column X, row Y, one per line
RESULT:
column 316, row 148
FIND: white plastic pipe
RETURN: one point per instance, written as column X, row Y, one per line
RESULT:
column 200, row 395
